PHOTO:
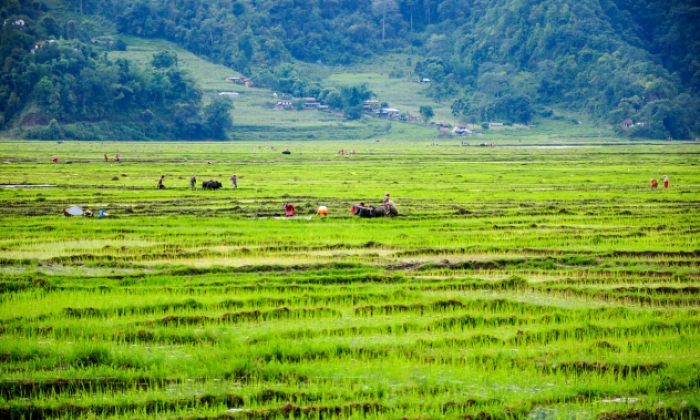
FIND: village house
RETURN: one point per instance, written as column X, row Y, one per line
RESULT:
column 387, row 112
column 284, row 104
column 40, row 44
column 371, row 104
column 311, row 105
column 496, row 124
column 461, row 130
column 303, row 103
column 627, row 123
column 101, row 41
column 235, row 79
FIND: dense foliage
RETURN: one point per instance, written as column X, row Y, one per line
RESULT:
column 493, row 60
column 511, row 55
column 497, row 59
column 69, row 82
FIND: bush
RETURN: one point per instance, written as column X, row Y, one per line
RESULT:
column 120, row 45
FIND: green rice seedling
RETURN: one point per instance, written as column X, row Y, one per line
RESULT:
column 516, row 282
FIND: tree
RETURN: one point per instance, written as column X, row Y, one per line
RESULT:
column 70, row 29
column 238, row 8
column 426, row 113
column 164, row 59
column 54, row 131
column 457, row 107
column 147, row 116
column 246, row 44
column 353, row 98
column 434, row 72
column 381, row 8
column 218, row 117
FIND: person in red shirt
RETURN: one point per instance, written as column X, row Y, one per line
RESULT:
column 289, row 210
column 654, row 183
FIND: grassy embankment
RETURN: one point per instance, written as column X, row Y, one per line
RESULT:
column 549, row 283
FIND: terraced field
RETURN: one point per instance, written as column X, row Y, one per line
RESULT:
column 517, row 283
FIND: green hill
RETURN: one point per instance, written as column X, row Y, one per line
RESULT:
column 512, row 61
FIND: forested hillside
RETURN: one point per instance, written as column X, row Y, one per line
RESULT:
column 64, row 87
column 496, row 59
column 509, row 60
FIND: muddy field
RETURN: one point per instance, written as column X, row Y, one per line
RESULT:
column 541, row 283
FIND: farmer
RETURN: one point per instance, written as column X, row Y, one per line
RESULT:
column 665, row 181
column 106, row 158
column 390, row 208
column 322, row 210
column 386, row 199
column 160, row 183
column 289, row 210
column 654, row 183
column 193, row 182
column 54, row 159
column 116, row 158
column 234, row 181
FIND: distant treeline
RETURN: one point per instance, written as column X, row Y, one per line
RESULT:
column 65, row 88
column 493, row 60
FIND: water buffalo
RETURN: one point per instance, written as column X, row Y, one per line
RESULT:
column 388, row 210
column 211, row 185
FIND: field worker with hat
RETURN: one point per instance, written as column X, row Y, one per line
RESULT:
column 654, row 183
column 665, row 181
column 234, row 181
column 322, row 210
column 386, row 199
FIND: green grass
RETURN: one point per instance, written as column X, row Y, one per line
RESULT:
column 517, row 282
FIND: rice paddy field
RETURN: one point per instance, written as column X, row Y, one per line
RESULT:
column 539, row 282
